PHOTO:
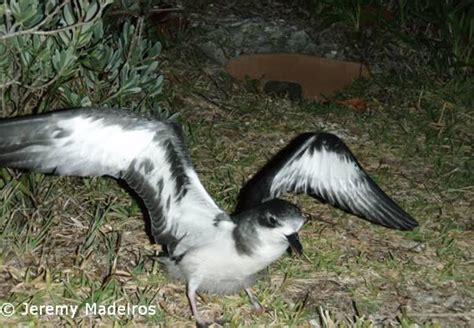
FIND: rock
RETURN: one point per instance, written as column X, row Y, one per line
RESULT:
column 233, row 36
column 212, row 51
column 284, row 89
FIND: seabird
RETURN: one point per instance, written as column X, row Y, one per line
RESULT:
column 209, row 249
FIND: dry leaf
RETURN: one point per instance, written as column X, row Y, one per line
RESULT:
column 356, row 104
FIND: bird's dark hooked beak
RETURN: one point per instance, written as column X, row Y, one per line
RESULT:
column 295, row 244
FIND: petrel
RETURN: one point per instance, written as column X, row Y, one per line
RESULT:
column 207, row 248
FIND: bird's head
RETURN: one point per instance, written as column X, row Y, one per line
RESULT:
column 274, row 226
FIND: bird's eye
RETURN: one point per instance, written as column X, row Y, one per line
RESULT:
column 272, row 220
column 268, row 221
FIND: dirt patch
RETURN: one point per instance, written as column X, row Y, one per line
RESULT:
column 318, row 77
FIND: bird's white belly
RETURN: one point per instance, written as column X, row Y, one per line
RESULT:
column 221, row 270
column 224, row 283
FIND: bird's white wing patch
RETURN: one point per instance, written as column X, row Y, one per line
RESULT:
column 148, row 154
column 322, row 171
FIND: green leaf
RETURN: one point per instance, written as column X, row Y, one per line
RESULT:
column 92, row 10
column 63, row 59
column 65, row 36
column 68, row 15
column 155, row 50
column 98, row 32
column 124, row 74
column 134, row 90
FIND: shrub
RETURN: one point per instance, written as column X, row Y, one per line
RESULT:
column 58, row 54
column 444, row 27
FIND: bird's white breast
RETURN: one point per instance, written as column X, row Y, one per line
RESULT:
column 218, row 267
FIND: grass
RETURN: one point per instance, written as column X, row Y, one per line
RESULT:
column 81, row 241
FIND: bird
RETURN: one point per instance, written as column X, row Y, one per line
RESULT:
column 207, row 248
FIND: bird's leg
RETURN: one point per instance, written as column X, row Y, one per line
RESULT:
column 191, row 294
column 257, row 307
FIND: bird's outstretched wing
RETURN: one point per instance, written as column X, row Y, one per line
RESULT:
column 148, row 154
column 321, row 165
